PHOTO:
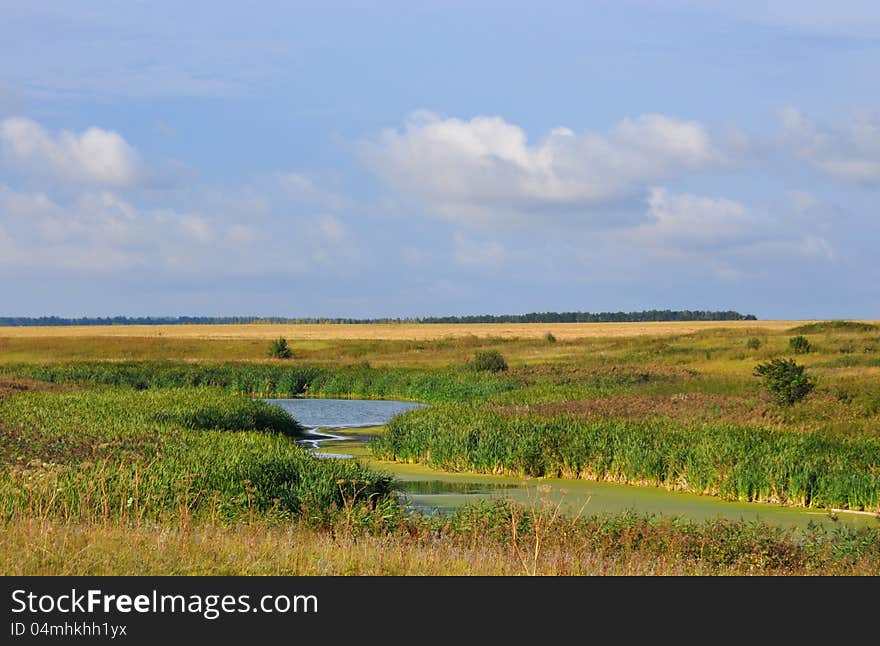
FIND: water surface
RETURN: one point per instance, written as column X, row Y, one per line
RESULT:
column 343, row 413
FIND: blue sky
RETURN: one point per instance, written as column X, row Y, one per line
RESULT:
column 384, row 159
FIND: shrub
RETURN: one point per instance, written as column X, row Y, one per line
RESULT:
column 785, row 380
column 549, row 338
column 278, row 349
column 799, row 344
column 488, row 361
column 753, row 343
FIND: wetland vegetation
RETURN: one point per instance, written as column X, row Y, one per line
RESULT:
column 113, row 444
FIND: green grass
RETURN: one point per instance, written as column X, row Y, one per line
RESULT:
column 272, row 380
column 734, row 450
column 172, row 453
column 734, row 462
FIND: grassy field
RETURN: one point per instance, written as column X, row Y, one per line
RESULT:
column 151, row 433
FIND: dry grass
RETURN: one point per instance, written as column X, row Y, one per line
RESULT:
column 16, row 385
column 402, row 331
column 40, row 547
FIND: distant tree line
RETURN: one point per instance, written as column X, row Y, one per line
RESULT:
column 601, row 317
column 534, row 317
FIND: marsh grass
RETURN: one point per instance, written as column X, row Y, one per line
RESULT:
column 808, row 469
column 490, row 539
column 173, row 454
column 267, row 380
column 153, row 441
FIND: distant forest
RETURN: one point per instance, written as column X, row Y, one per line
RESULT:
column 534, row 317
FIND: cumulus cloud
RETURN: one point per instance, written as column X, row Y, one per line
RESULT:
column 717, row 227
column 692, row 221
column 94, row 156
column 98, row 232
column 848, row 151
column 484, row 169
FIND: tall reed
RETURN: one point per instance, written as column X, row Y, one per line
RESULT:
column 734, row 462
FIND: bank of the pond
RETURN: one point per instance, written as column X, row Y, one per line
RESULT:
column 734, row 462
column 433, row 490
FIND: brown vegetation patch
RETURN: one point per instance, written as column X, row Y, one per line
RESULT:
column 558, row 374
column 22, row 448
column 819, row 411
column 16, row 385
column 682, row 407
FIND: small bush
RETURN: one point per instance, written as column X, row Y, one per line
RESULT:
column 278, row 349
column 549, row 338
column 785, row 380
column 488, row 361
column 799, row 344
column 753, row 343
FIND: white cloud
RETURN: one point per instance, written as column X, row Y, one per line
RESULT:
column 94, row 232
column 692, row 221
column 848, row 151
column 100, row 233
column 94, row 156
column 484, row 169
column 724, row 231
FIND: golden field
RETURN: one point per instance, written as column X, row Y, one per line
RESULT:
column 393, row 331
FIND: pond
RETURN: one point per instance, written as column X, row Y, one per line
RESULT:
column 342, row 428
column 320, row 416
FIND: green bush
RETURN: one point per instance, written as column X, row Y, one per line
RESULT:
column 278, row 349
column 488, row 361
column 799, row 344
column 753, row 343
column 549, row 338
column 785, row 380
